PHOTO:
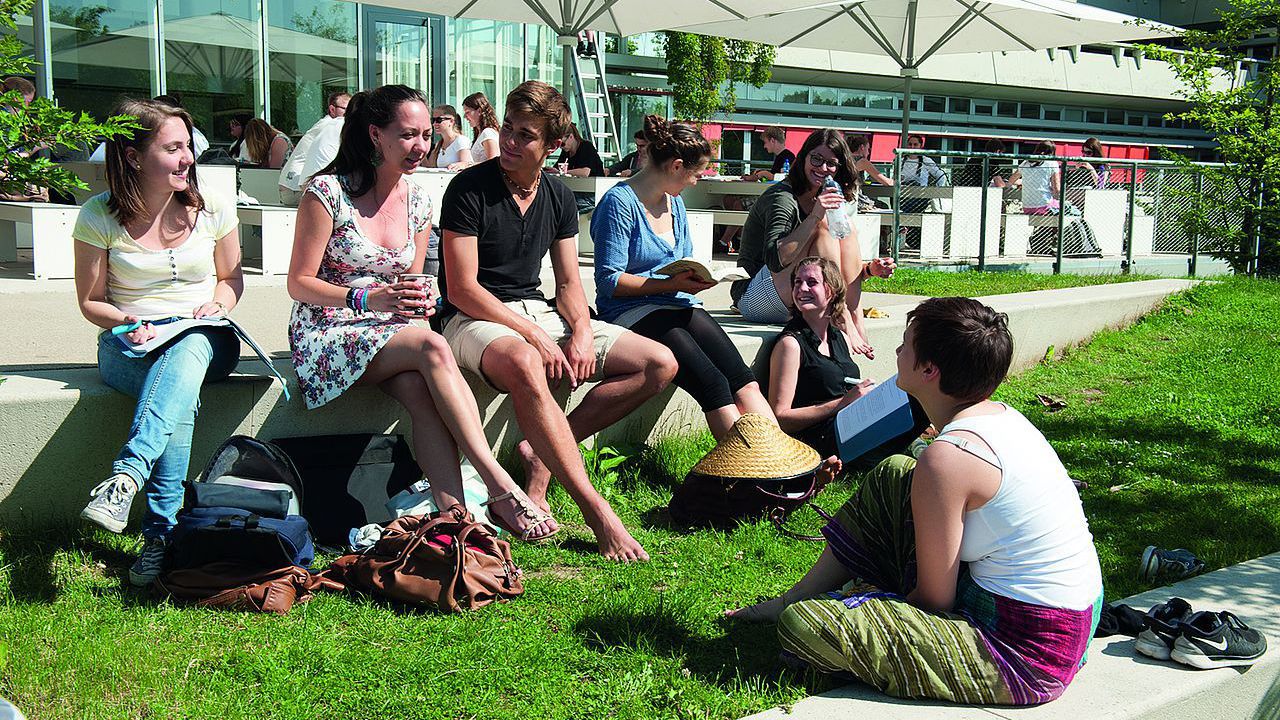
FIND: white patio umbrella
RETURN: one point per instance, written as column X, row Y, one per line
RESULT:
column 619, row 17
column 912, row 31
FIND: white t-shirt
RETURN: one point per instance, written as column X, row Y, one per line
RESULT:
column 291, row 173
column 477, row 148
column 1037, row 183
column 450, row 153
column 154, row 284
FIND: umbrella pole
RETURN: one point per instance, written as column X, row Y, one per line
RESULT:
column 908, row 74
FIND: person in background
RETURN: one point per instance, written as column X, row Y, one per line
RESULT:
column 360, row 225
column 1092, row 174
column 235, row 126
column 1041, row 182
column 980, row 550
column 29, row 193
column 484, row 126
column 775, row 139
column 919, row 170
column 640, row 226
column 860, row 149
column 453, row 150
column 266, row 146
column 500, row 220
column 199, row 143
column 579, row 156
column 149, row 250
column 788, row 223
column 632, row 161
column 293, row 179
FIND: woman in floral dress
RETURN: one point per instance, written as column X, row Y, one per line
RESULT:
column 360, row 225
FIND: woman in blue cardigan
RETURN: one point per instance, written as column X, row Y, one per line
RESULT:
column 640, row 226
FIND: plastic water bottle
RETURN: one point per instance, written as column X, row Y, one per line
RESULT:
column 786, row 168
column 837, row 221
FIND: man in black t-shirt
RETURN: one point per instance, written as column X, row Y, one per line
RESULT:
column 500, row 218
column 580, row 156
column 775, row 143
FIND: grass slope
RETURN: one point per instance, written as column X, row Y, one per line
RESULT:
column 1172, row 422
column 937, row 283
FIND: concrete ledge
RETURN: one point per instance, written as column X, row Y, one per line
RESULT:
column 64, row 426
column 1116, row 682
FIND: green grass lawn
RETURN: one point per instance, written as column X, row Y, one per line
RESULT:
column 971, row 283
column 1173, row 422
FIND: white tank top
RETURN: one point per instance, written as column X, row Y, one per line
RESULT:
column 1031, row 541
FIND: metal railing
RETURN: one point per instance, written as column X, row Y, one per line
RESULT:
column 1103, row 208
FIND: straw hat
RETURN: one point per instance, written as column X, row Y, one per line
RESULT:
column 757, row 448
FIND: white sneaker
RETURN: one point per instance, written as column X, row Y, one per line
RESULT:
column 112, row 498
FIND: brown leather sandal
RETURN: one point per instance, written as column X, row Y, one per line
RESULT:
column 524, row 509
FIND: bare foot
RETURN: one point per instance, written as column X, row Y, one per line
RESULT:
column 761, row 612
column 537, row 477
column 519, row 516
column 826, row 472
column 617, row 544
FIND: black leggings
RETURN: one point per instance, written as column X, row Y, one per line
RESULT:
column 711, row 368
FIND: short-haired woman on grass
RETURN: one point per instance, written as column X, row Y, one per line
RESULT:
column 980, row 582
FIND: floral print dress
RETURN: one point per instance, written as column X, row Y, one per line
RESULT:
column 332, row 346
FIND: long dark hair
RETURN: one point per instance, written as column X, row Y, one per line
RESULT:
column 368, row 108
column 834, row 141
column 242, row 119
column 125, row 201
column 488, row 118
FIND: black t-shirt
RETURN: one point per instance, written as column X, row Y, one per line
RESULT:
column 586, row 157
column 782, row 158
column 509, row 247
column 628, row 162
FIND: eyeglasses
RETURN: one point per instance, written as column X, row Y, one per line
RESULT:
column 436, row 120
column 818, row 162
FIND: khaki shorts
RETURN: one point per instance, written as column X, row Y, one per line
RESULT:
column 469, row 337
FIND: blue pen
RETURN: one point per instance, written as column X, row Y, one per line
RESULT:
column 126, row 328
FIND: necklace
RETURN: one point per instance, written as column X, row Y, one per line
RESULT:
column 521, row 190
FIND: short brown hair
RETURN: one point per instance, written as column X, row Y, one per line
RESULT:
column 125, row 200
column 967, row 341
column 333, row 97
column 21, row 84
column 534, row 97
column 775, row 132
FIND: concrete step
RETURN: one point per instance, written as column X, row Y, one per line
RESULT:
column 1117, row 683
column 63, row 426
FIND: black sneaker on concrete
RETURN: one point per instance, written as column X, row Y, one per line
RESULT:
column 1211, row 640
column 1160, row 564
column 109, row 507
column 1163, row 627
column 149, row 564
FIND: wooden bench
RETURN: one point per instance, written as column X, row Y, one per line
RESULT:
column 45, row 229
column 274, row 241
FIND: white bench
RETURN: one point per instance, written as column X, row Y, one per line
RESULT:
column 260, row 184
column 218, row 180
column 274, row 241
column 43, row 228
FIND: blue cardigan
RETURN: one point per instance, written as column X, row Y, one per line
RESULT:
column 625, row 242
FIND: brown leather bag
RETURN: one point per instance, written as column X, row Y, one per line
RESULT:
column 237, row 587
column 436, row 561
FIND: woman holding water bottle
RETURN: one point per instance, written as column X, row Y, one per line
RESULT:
column 359, row 246
column 802, row 216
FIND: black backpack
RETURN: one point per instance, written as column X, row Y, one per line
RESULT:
column 245, row 508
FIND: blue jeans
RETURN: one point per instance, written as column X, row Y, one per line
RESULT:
column 167, row 385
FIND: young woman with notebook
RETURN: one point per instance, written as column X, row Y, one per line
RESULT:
column 640, row 227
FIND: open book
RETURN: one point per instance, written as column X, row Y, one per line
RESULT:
column 702, row 272
column 167, row 331
column 873, row 419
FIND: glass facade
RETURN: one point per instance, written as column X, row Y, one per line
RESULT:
column 311, row 46
column 212, row 56
column 101, row 51
column 276, row 59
